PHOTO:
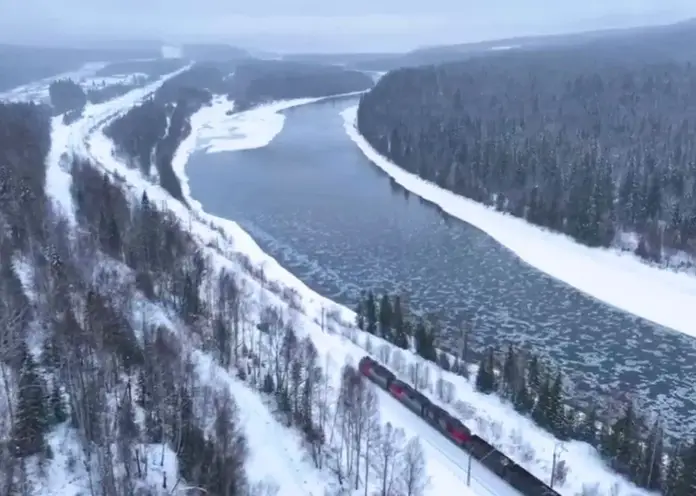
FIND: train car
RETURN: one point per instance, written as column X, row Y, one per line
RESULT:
column 507, row 469
column 414, row 401
column 437, row 417
column 458, row 432
column 492, row 458
column 488, row 455
column 365, row 364
column 525, row 482
column 376, row 373
column 446, row 424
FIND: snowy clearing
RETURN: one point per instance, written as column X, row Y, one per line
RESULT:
column 617, row 278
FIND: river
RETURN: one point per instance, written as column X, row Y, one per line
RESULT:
column 315, row 203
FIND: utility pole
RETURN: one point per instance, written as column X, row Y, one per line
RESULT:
column 468, row 469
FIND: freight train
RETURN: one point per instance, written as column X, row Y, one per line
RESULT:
column 496, row 461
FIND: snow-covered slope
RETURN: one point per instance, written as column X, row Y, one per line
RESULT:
column 214, row 130
column 617, row 278
column 276, row 452
column 447, row 466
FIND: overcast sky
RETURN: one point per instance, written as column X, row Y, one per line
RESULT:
column 323, row 25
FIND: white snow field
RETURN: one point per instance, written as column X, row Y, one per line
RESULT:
column 617, row 278
column 38, row 90
column 276, row 453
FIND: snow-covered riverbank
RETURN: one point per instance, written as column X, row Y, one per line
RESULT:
column 617, row 278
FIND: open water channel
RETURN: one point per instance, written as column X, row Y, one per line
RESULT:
column 315, row 203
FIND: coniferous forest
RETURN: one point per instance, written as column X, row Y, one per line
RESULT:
column 631, row 443
column 256, row 82
column 599, row 148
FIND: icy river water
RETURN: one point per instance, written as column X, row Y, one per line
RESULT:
column 315, row 203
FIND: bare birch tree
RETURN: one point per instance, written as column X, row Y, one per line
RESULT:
column 390, row 447
column 413, row 475
column 372, row 432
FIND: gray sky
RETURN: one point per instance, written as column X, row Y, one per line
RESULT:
column 323, row 25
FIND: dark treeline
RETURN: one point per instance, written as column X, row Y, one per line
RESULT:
column 103, row 93
column 631, row 443
column 260, row 81
column 138, row 131
column 25, row 140
column 570, row 140
column 150, row 133
column 95, row 363
column 67, row 97
column 106, row 93
column 252, row 82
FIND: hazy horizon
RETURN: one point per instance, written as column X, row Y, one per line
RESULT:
column 320, row 26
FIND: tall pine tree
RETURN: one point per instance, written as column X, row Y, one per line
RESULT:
column 652, row 458
column 360, row 312
column 371, row 313
column 385, row 318
column 31, row 418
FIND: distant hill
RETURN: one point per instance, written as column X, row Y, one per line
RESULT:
column 23, row 64
column 259, row 81
column 677, row 41
column 339, row 58
column 213, row 52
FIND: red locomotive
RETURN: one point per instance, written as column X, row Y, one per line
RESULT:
column 415, row 401
column 495, row 460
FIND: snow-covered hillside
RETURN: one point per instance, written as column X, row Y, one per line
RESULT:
column 213, row 131
column 278, row 455
column 446, row 465
column 617, row 278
